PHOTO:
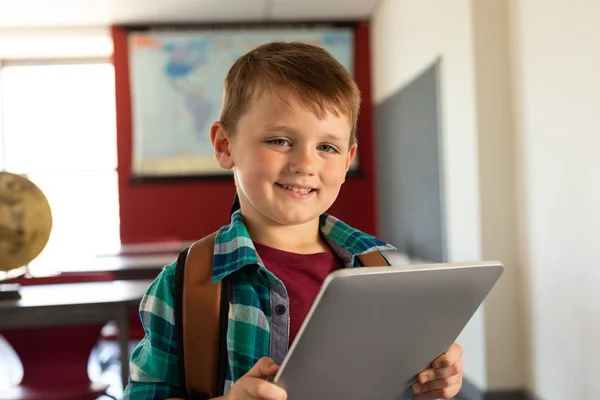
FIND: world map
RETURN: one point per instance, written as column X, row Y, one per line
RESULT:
column 176, row 82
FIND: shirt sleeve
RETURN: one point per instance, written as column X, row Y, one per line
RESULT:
column 154, row 363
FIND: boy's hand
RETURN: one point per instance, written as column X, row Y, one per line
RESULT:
column 444, row 379
column 254, row 384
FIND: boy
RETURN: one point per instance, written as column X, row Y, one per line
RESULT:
column 287, row 133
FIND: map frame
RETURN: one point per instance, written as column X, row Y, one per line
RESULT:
column 210, row 169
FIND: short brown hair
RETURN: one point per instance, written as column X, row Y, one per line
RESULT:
column 310, row 72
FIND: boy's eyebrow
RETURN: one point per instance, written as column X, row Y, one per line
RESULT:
column 292, row 131
column 281, row 128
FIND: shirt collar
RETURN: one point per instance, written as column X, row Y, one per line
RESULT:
column 234, row 248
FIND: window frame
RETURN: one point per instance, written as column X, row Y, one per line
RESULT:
column 84, row 60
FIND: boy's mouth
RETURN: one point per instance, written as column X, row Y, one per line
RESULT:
column 297, row 189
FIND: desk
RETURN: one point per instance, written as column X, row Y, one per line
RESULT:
column 123, row 267
column 170, row 247
column 75, row 304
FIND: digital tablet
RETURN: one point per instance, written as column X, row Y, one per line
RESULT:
column 371, row 330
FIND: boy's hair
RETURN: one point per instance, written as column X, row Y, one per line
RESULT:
column 318, row 80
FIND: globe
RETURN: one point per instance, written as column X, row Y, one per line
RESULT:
column 25, row 221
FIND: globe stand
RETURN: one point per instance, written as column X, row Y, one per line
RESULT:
column 10, row 291
column 9, row 288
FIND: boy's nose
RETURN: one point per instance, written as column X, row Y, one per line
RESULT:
column 302, row 161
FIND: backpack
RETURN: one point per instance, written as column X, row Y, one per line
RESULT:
column 201, row 315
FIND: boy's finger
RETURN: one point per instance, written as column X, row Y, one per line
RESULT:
column 431, row 374
column 446, row 393
column 450, row 357
column 437, row 384
column 264, row 390
column 264, row 368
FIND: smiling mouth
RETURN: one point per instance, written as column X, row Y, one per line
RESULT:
column 296, row 189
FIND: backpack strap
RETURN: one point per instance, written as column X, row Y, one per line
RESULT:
column 203, row 320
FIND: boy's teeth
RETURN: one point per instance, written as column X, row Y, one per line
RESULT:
column 297, row 190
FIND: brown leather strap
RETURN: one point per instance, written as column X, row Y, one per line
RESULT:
column 201, row 305
column 373, row 259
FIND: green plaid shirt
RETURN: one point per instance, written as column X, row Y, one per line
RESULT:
column 253, row 330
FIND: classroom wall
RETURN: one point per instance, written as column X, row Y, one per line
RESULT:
column 189, row 210
column 504, row 326
column 23, row 44
column 556, row 98
column 408, row 37
column 519, row 99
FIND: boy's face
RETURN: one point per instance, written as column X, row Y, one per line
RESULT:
column 288, row 164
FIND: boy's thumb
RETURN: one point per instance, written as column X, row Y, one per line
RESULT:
column 264, row 368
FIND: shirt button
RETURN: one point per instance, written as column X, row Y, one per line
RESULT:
column 280, row 309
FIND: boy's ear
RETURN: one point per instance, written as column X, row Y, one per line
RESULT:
column 351, row 155
column 221, row 145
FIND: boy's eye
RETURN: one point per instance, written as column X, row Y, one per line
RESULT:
column 278, row 142
column 328, row 148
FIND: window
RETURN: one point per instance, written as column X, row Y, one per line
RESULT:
column 58, row 127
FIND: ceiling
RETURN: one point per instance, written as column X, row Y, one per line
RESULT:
column 72, row 13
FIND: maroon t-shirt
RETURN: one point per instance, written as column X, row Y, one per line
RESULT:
column 302, row 275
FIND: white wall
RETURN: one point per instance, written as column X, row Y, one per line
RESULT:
column 556, row 55
column 521, row 129
column 407, row 36
column 52, row 43
column 505, row 357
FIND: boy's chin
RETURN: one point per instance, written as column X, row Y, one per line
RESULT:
column 286, row 218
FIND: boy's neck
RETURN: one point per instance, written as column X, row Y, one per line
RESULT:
column 301, row 239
